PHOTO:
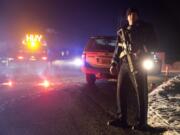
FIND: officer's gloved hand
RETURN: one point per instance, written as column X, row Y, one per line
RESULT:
column 113, row 70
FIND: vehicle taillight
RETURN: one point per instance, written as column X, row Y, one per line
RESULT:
column 84, row 56
column 33, row 58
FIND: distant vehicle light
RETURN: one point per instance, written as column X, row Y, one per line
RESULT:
column 78, row 62
column 32, row 58
column 10, row 59
column 62, row 53
column 20, row 57
column 148, row 64
column 44, row 58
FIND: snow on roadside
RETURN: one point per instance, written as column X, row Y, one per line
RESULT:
column 164, row 106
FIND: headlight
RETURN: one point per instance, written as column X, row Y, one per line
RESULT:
column 148, row 64
column 78, row 62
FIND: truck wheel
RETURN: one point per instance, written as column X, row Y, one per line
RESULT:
column 90, row 79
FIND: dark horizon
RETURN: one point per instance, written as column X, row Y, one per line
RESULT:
column 74, row 21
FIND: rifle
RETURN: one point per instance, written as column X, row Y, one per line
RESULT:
column 127, row 52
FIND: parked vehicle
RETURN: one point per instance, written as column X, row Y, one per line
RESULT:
column 97, row 57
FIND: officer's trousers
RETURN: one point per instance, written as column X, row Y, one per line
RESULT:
column 125, row 76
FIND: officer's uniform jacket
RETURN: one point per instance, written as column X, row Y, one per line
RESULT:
column 141, row 36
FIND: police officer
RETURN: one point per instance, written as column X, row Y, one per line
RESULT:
column 143, row 39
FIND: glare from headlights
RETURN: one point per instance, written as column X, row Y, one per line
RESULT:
column 78, row 62
column 148, row 64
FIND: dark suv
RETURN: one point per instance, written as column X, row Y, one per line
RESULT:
column 97, row 57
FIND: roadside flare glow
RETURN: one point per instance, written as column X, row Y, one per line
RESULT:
column 45, row 83
column 10, row 84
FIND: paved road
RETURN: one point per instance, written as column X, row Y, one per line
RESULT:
column 70, row 107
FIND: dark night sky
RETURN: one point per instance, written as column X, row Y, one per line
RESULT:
column 75, row 20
